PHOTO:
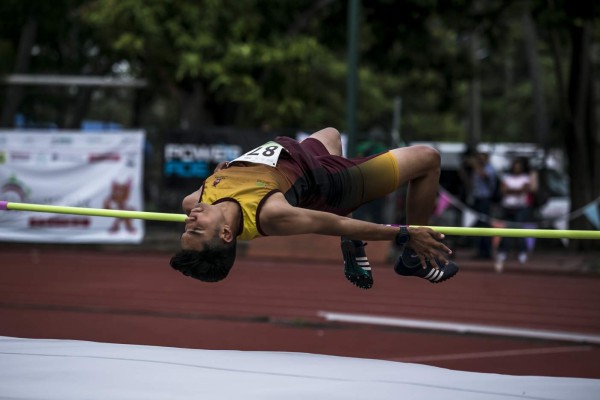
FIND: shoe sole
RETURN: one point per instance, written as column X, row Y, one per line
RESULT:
column 353, row 279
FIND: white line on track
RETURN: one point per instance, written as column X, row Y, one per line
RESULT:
column 460, row 327
column 493, row 354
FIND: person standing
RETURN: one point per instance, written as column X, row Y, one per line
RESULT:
column 516, row 187
column 483, row 185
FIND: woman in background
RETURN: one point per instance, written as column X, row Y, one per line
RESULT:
column 516, row 187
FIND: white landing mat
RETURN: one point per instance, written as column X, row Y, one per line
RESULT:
column 67, row 369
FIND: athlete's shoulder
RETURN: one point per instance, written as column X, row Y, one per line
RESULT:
column 275, row 203
column 274, row 207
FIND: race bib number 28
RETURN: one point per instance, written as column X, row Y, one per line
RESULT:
column 267, row 154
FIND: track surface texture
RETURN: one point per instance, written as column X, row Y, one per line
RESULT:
column 273, row 303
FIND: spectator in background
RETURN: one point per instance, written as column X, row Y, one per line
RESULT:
column 465, row 173
column 536, row 197
column 516, row 188
column 372, row 211
column 483, row 186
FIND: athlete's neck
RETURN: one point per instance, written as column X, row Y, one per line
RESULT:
column 233, row 215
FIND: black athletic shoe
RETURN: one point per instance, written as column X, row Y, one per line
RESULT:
column 356, row 264
column 408, row 264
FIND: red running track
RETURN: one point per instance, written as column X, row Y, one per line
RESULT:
column 136, row 298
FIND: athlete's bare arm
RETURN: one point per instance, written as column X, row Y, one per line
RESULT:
column 192, row 199
column 279, row 218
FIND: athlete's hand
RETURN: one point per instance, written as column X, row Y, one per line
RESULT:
column 426, row 244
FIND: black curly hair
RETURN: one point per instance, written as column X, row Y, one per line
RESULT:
column 209, row 265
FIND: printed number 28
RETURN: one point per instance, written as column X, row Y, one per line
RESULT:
column 267, row 152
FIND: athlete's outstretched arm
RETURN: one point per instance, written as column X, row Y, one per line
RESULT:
column 279, row 218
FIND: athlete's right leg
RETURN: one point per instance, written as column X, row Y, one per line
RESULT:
column 357, row 268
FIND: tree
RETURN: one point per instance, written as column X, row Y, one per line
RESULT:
column 569, row 28
column 268, row 68
column 47, row 37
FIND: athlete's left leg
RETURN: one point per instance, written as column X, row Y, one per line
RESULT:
column 331, row 139
column 420, row 167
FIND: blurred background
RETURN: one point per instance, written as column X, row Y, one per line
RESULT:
column 164, row 90
column 461, row 72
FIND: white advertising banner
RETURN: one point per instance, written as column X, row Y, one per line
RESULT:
column 78, row 169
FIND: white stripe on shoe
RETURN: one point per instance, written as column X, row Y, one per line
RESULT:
column 364, row 265
column 363, row 262
column 434, row 275
column 428, row 276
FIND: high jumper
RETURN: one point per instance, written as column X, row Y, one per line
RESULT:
column 288, row 188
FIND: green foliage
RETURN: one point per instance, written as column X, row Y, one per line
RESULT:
column 282, row 64
column 273, row 75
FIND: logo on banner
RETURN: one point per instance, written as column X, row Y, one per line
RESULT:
column 59, row 222
column 61, row 140
column 74, row 158
column 13, row 190
column 100, row 157
column 118, row 199
column 20, row 156
column 194, row 161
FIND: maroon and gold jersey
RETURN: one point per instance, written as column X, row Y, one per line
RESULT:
column 249, row 185
column 308, row 176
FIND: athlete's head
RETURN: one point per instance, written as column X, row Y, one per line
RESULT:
column 208, row 265
column 208, row 245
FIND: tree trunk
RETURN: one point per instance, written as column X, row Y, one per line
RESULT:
column 14, row 93
column 193, row 111
column 474, row 116
column 140, row 102
column 581, row 142
column 535, row 71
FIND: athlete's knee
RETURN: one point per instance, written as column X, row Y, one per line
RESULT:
column 334, row 135
column 429, row 156
column 331, row 138
column 331, row 131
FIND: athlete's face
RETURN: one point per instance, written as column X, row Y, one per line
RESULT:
column 202, row 226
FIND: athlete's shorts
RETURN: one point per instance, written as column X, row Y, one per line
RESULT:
column 326, row 182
